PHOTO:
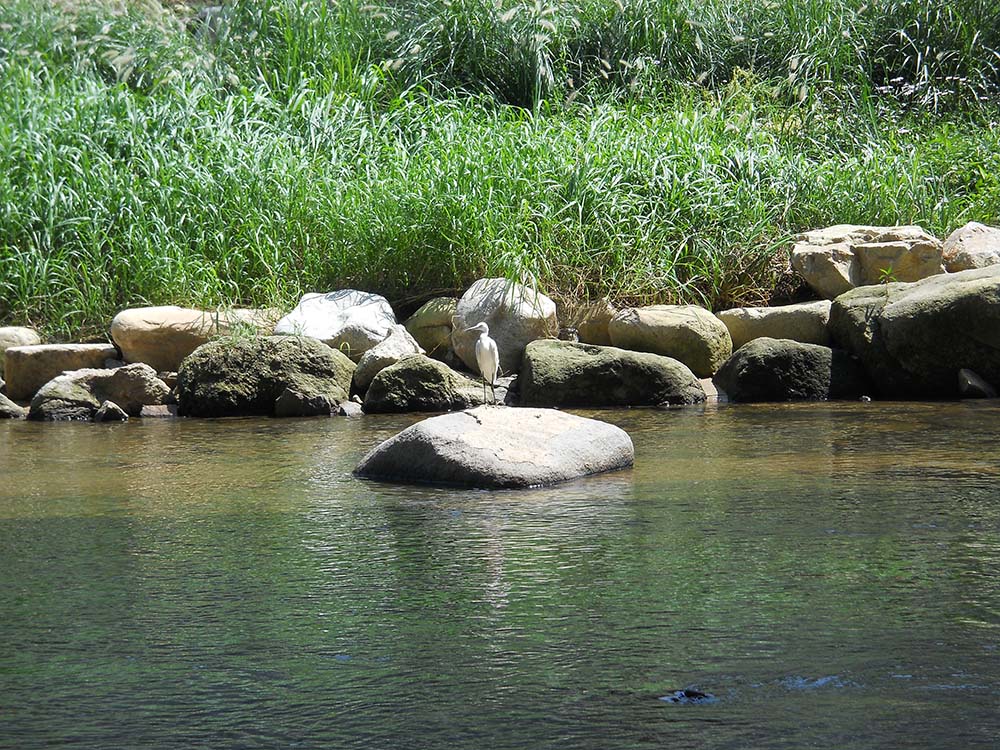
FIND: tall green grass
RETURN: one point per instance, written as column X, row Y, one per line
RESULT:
column 653, row 151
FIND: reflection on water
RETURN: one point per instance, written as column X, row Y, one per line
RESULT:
column 829, row 573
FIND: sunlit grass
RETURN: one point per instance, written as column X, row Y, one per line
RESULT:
column 312, row 146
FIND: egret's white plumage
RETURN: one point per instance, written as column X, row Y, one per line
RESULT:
column 487, row 357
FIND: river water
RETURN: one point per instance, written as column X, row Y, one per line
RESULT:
column 828, row 573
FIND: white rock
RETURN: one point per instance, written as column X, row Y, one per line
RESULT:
column 498, row 447
column 348, row 320
column 974, row 245
column 515, row 314
column 162, row 337
column 398, row 344
column 28, row 368
column 804, row 322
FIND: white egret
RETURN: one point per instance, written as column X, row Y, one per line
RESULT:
column 487, row 357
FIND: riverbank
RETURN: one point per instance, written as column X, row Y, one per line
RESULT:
column 142, row 163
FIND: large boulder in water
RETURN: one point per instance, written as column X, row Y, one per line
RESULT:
column 494, row 447
column 419, row 383
column 79, row 394
column 688, row 333
column 562, row 373
column 348, row 320
column 163, row 336
column 769, row 369
column 515, row 314
column 914, row 338
column 231, row 377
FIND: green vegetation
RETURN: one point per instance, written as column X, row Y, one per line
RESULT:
column 651, row 150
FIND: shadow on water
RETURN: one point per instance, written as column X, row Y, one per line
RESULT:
column 827, row 574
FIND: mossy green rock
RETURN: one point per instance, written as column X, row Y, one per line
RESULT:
column 246, row 376
column 914, row 338
column 769, row 369
column 419, row 383
column 564, row 373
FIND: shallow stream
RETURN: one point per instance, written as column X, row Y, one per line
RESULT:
column 828, row 573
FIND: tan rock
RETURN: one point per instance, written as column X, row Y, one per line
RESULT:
column 162, row 337
column 804, row 322
column 687, row 333
column 80, row 394
column 398, row 344
column 974, row 245
column 839, row 258
column 590, row 319
column 28, row 368
column 16, row 336
column 431, row 325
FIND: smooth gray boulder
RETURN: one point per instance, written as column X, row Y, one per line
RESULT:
column 16, row 336
column 804, row 322
column 419, row 383
column 914, row 338
column 28, row 368
column 769, row 369
column 688, row 333
column 516, row 315
column 10, row 410
column 494, row 447
column 79, row 394
column 563, row 373
column 347, row 320
column 246, row 377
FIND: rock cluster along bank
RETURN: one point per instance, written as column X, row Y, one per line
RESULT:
column 901, row 315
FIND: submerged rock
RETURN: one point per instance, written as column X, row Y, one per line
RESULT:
column 493, row 447
column 563, row 373
column 914, row 338
column 244, row 377
column 79, row 394
column 769, row 369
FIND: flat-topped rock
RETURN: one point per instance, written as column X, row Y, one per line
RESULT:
column 16, row 336
column 28, row 368
column 804, row 322
column 494, row 447
column 162, row 337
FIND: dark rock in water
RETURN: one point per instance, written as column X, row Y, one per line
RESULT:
column 293, row 403
column 494, row 447
column 563, row 373
column 110, row 412
column 970, row 385
column 246, row 376
column 419, row 383
column 768, row 369
column 10, row 410
column 914, row 338
column 689, row 697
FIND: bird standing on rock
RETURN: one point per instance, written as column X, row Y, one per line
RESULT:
column 487, row 357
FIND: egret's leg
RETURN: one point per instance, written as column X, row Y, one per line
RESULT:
column 484, row 389
column 493, row 390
